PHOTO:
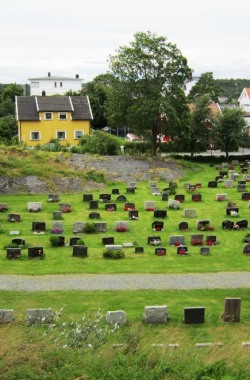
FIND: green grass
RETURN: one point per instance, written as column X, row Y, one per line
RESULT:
column 226, row 256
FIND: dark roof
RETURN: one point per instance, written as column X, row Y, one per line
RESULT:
column 28, row 107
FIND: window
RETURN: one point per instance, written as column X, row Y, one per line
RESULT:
column 34, row 84
column 61, row 84
column 48, row 115
column 35, row 135
column 61, row 135
column 55, row 84
column 62, row 115
column 78, row 134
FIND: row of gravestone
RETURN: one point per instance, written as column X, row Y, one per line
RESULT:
column 152, row 314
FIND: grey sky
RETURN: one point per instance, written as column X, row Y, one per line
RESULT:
column 77, row 36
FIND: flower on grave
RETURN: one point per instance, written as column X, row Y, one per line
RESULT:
column 56, row 231
column 219, row 199
column 210, row 242
column 121, row 229
column 196, row 242
column 110, row 209
column 177, row 244
column 182, row 252
column 233, row 213
column 150, row 209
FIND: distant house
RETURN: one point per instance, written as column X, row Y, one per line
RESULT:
column 44, row 118
column 54, row 85
column 244, row 103
column 214, row 107
column 189, row 83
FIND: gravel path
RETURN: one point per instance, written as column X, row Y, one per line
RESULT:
column 125, row 281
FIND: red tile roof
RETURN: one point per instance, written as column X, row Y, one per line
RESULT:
column 248, row 91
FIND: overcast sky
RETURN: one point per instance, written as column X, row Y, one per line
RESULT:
column 77, row 36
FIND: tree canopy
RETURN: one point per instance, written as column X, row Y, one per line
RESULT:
column 146, row 93
column 206, row 85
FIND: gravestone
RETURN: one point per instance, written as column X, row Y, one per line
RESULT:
column 160, row 251
column 205, row 251
column 232, row 308
column 231, row 204
column 34, row 206
column 203, row 224
column 121, row 198
column 65, row 207
column 183, row 226
column 80, row 251
column 73, row 240
column 198, row 185
column 118, row 317
column 197, row 239
column 177, row 240
column 189, row 213
column 53, row 198
column 61, row 242
column 245, row 196
column 57, row 215
column 193, row 315
column 155, row 191
column 139, row 250
column 105, row 197
column 149, row 205
column 129, row 206
column 87, row 197
column 241, row 187
column 191, row 188
column 223, row 173
column 115, row 191
column 56, row 228
column 160, row 214
column 18, row 241
column 130, row 190
column 6, row 315
column 78, row 227
column 110, row 207
column 154, row 240
column 133, row 214
column 179, row 197
column 3, row 207
column 39, row 316
column 212, row 184
column 100, row 226
column 211, row 240
column 164, row 196
column 228, row 183
column 113, row 247
column 232, row 211
column 246, row 249
column 94, row 215
column 152, row 184
column 14, row 218
column 35, row 252
column 132, row 184
column 244, row 170
column 227, row 225
column 93, row 204
column 218, row 178
column 196, row 197
column 243, row 224
column 121, row 226
column 221, row 197
column 157, row 226
column 108, row 240
column 173, row 204
column 246, row 177
column 38, row 227
column 182, row 250
column 156, row 314
column 13, row 253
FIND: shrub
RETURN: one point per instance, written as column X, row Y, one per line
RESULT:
column 54, row 240
column 113, row 254
column 80, row 242
column 89, row 228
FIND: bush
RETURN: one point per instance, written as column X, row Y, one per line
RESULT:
column 113, row 254
column 89, row 228
column 99, row 142
column 54, row 240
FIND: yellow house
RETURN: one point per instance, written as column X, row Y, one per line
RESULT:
column 44, row 118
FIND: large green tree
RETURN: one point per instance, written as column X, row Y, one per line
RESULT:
column 206, row 85
column 146, row 92
column 228, row 130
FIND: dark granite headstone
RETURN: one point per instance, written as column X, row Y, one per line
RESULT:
column 87, row 197
column 133, row 214
column 183, row 226
column 121, row 198
column 80, row 251
column 14, row 218
column 139, row 250
column 115, row 191
column 13, row 253
column 212, row 184
column 105, row 197
column 107, row 240
column 245, row 196
column 160, row 213
column 157, row 226
column 160, row 251
column 35, row 252
column 38, row 226
column 73, row 240
column 18, row 241
column 110, row 207
column 179, row 197
column 94, row 215
column 182, row 250
column 196, row 197
column 194, row 315
column 93, row 204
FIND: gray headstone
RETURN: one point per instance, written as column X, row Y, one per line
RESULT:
column 78, row 227
column 156, row 314
column 189, row 213
column 6, row 315
column 116, row 317
column 39, row 316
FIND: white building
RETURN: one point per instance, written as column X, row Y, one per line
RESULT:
column 244, row 103
column 52, row 85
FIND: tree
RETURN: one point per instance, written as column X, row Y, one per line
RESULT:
column 200, row 125
column 98, row 92
column 148, row 76
column 228, row 129
column 206, row 85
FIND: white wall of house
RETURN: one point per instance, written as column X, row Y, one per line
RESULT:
column 244, row 101
column 52, row 85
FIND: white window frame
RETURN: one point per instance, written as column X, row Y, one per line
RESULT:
column 35, row 139
column 78, row 137
column 46, row 115
column 62, row 114
column 34, row 84
column 61, row 138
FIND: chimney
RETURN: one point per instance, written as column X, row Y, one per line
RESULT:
column 77, row 76
column 48, row 74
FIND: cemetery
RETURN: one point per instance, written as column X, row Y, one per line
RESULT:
column 138, row 228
